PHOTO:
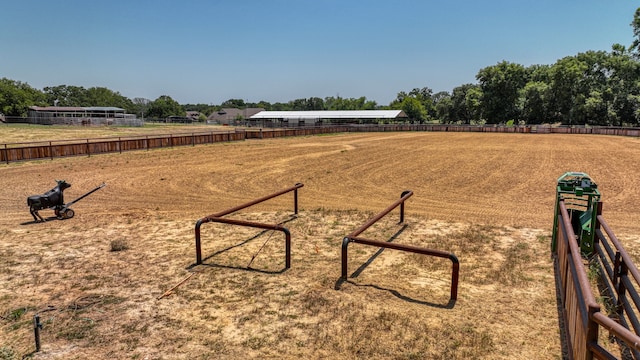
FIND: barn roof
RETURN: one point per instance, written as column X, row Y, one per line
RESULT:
column 75, row 108
column 330, row 114
column 103, row 108
column 233, row 113
column 56, row 108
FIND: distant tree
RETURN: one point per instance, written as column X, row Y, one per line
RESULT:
column 280, row 106
column 66, row 95
column 340, row 103
column 414, row 109
column 437, row 97
column 534, row 99
column 635, row 24
column 234, row 103
column 69, row 95
column 201, row 108
column 444, row 107
column 423, row 96
column 264, row 105
column 500, row 85
column 140, row 105
column 466, row 101
column 101, row 96
column 566, row 88
column 16, row 97
column 164, row 106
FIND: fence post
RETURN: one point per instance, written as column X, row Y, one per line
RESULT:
column 345, row 257
column 591, row 330
column 36, row 330
column 50, row 150
column 402, row 205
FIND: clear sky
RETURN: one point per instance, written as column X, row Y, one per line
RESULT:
column 209, row 51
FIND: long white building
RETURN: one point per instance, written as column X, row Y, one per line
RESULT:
column 328, row 116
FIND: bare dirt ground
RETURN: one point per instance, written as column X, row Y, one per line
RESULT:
column 486, row 197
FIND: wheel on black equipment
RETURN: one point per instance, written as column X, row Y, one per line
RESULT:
column 68, row 213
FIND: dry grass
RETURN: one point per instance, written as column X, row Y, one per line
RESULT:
column 102, row 304
column 488, row 198
column 19, row 133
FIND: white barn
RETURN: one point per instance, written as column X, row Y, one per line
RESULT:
column 317, row 117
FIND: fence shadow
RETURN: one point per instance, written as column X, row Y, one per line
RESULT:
column 564, row 336
column 366, row 264
column 449, row 305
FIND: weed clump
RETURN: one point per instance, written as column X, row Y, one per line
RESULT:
column 119, row 245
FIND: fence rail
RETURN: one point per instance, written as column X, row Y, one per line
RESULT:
column 218, row 218
column 86, row 147
column 618, row 281
column 354, row 238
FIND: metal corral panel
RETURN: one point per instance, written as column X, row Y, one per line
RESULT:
column 344, row 114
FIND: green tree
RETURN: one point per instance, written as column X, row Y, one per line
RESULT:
column 66, row 95
column 164, row 106
column 16, row 97
column 444, row 107
column 466, row 104
column 234, row 103
column 635, row 24
column 566, row 89
column 500, row 85
column 140, row 106
column 264, row 105
column 414, row 109
column 69, row 95
column 534, row 97
column 101, row 96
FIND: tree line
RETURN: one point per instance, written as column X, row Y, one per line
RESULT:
column 590, row 88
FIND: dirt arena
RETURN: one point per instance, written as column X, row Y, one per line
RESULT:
column 488, row 198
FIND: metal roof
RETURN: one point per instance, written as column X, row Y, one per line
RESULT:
column 103, row 108
column 56, row 108
column 341, row 114
column 75, row 108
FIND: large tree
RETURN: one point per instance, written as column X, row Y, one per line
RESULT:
column 635, row 24
column 466, row 103
column 101, row 96
column 16, row 97
column 534, row 99
column 66, row 95
column 500, row 85
column 164, row 106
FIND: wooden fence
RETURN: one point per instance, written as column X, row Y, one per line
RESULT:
column 87, row 147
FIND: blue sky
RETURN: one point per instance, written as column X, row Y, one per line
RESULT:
column 208, row 51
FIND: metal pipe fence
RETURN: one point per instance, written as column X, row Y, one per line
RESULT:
column 218, row 218
column 582, row 314
column 354, row 238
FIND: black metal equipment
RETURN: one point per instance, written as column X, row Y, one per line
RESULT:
column 54, row 199
column 67, row 213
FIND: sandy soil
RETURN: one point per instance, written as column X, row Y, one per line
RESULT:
column 486, row 197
